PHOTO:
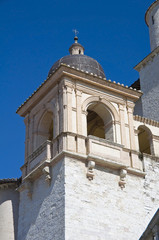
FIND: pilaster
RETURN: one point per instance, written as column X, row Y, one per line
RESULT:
column 122, row 124
column 69, row 108
column 79, row 113
column 26, row 122
column 130, row 108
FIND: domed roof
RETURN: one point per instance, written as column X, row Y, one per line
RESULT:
column 77, row 59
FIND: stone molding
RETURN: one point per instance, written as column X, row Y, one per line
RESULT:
column 44, row 168
column 98, row 99
column 74, row 74
column 147, row 59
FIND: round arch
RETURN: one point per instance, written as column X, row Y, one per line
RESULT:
column 101, row 119
column 44, row 127
column 145, row 140
column 97, row 99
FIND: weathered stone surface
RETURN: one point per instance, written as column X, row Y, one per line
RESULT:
column 42, row 216
column 99, row 209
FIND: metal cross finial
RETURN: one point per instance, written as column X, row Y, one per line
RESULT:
column 75, row 31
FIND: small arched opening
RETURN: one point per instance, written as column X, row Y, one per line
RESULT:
column 100, row 121
column 95, row 125
column 45, row 128
column 145, row 140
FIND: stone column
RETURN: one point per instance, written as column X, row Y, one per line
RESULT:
column 131, row 126
column 56, row 117
column 84, row 123
column 69, row 108
column 79, row 113
column 137, row 139
column 62, row 109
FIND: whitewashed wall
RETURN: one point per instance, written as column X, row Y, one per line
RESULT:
column 99, row 209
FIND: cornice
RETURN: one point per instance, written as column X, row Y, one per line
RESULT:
column 107, row 85
column 146, row 121
column 75, row 74
column 147, row 59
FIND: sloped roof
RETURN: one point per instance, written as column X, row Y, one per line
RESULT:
column 10, row 180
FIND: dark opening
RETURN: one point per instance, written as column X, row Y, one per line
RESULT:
column 144, row 141
column 153, row 20
column 95, row 125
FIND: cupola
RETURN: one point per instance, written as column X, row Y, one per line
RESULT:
column 79, row 61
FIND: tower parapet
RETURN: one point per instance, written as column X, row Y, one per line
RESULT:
column 152, row 21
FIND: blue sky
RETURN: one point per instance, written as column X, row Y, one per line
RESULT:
column 34, row 34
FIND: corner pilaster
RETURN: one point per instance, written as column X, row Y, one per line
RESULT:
column 130, row 109
column 122, row 124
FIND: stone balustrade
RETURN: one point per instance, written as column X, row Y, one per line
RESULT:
column 42, row 153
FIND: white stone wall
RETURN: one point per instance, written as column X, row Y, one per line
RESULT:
column 99, row 209
column 153, row 22
column 149, row 80
column 9, row 203
column 42, row 217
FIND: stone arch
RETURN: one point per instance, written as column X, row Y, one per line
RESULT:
column 97, row 99
column 45, row 108
column 101, row 118
column 145, row 140
column 45, row 128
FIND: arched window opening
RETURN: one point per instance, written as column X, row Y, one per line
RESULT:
column 95, row 125
column 100, row 122
column 145, row 140
column 45, row 129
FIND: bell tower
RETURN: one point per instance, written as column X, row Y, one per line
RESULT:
column 82, row 169
column 148, row 68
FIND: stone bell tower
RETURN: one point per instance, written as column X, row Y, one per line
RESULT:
column 148, row 68
column 83, row 175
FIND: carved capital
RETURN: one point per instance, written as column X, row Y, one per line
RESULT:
column 121, row 107
column 26, row 120
column 85, row 112
column 78, row 92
